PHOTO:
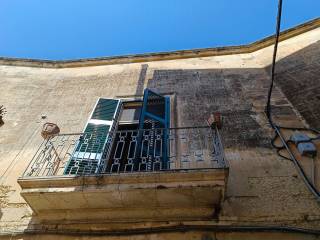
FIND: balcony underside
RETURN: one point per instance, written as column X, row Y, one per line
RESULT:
column 131, row 197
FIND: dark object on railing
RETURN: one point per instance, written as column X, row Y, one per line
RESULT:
column 215, row 120
column 49, row 130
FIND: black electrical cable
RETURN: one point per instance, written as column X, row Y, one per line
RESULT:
column 179, row 228
column 277, row 128
column 300, row 129
column 274, row 57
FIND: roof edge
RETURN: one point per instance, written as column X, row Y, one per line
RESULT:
column 161, row 56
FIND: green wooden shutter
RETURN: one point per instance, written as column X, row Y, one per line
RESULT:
column 87, row 156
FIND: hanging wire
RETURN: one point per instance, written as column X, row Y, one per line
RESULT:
column 276, row 127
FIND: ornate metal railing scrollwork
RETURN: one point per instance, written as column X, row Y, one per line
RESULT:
column 129, row 151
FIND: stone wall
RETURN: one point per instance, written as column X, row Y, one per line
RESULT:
column 263, row 189
column 298, row 75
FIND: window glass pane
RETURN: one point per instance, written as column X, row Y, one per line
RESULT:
column 130, row 115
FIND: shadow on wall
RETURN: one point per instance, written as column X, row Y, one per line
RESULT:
column 298, row 76
column 141, row 80
column 239, row 94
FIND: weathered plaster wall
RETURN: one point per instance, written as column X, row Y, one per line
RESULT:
column 262, row 188
column 298, row 75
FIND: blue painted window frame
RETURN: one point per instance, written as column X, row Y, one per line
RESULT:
column 165, row 121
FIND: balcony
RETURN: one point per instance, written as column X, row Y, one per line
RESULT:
column 150, row 174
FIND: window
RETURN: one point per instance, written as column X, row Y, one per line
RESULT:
column 89, row 150
column 124, row 136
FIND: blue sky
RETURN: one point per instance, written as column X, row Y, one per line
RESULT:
column 70, row 29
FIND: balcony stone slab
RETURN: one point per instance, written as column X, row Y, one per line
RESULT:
column 127, row 197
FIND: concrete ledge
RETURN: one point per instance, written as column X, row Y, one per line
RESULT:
column 182, row 54
column 155, row 196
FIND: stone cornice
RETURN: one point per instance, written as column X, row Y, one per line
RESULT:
column 160, row 56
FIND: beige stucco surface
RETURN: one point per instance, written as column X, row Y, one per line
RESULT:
column 262, row 187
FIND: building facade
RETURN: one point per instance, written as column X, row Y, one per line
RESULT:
column 135, row 157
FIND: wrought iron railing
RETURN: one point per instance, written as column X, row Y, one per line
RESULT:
column 128, row 151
